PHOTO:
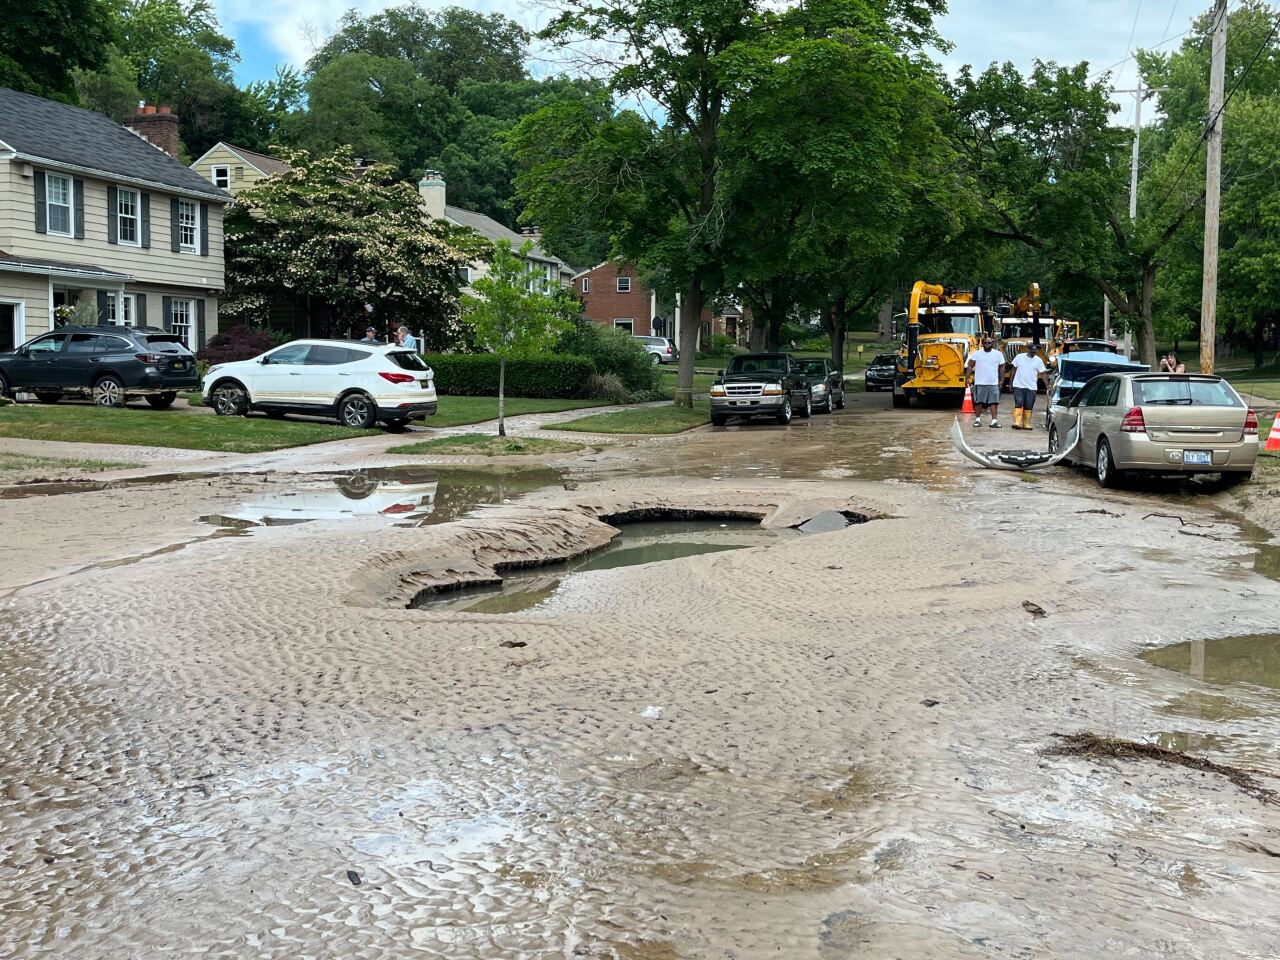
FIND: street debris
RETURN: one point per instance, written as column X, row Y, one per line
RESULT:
column 354, row 878
column 651, row 713
column 1105, row 513
column 513, row 643
column 1036, row 611
column 1091, row 745
column 1181, row 521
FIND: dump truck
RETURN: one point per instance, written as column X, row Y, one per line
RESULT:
column 943, row 327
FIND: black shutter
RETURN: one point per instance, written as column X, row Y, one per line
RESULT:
column 104, row 300
column 79, row 192
column 199, row 325
column 42, row 212
column 146, row 220
column 167, row 303
column 140, row 308
column 173, row 231
column 204, row 229
column 113, row 212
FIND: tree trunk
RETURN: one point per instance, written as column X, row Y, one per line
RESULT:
column 502, row 396
column 833, row 321
column 759, row 332
column 1147, row 333
column 690, row 319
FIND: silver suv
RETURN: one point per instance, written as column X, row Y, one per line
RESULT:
column 660, row 349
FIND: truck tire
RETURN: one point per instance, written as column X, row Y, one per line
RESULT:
column 807, row 410
column 719, row 419
column 900, row 398
column 784, row 415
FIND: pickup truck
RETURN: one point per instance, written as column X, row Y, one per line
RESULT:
column 760, row 385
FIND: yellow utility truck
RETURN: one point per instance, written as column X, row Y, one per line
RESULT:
column 943, row 327
column 1026, row 319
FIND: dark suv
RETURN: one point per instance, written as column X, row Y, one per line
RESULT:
column 107, row 363
column 760, row 385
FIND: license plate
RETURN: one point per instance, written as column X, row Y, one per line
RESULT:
column 424, row 384
column 1197, row 457
column 179, row 365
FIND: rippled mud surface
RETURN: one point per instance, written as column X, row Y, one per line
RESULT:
column 828, row 748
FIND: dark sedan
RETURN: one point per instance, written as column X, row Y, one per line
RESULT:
column 826, row 384
column 880, row 372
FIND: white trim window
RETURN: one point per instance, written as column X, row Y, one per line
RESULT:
column 182, row 319
column 125, row 317
column 464, row 274
column 624, row 284
column 625, row 323
column 60, row 205
column 128, row 217
column 189, row 226
column 586, row 284
column 220, row 174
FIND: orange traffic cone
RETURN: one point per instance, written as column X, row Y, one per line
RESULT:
column 1273, row 439
column 967, row 406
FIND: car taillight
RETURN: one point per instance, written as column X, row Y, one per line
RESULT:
column 1251, row 421
column 397, row 377
column 1133, row 421
column 397, row 508
column 148, row 357
column 668, row 348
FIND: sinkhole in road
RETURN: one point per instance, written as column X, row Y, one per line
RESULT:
column 638, row 542
column 1253, row 659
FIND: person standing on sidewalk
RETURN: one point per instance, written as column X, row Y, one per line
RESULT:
column 985, row 366
column 1028, row 370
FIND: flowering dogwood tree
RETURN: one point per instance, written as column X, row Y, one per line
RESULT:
column 358, row 241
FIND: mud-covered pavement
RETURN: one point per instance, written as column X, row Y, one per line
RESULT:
column 232, row 737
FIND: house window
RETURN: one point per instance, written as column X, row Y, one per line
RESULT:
column 180, row 314
column 464, row 274
column 624, row 284
column 625, row 323
column 586, row 284
column 57, row 196
column 188, row 226
column 120, row 309
column 127, row 204
column 222, row 176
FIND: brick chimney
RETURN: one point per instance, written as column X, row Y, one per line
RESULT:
column 533, row 233
column 158, row 126
column 431, row 189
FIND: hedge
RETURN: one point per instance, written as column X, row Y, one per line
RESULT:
column 476, row 375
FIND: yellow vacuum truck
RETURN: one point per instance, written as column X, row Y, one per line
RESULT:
column 943, row 327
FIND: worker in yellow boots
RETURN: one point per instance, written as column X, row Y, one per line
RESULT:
column 1028, row 371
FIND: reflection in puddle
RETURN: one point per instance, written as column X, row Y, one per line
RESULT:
column 638, row 543
column 1250, row 659
column 404, row 496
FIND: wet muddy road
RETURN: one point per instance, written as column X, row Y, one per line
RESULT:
column 224, row 733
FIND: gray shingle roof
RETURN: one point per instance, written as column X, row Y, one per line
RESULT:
column 64, row 134
column 491, row 229
column 262, row 161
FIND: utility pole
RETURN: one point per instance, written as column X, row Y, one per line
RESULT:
column 1213, row 190
column 1140, row 93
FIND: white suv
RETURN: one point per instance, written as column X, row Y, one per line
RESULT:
column 359, row 383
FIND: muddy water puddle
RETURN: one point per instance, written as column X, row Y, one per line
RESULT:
column 638, row 543
column 1252, row 659
column 405, row 496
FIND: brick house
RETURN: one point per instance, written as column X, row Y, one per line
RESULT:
column 92, row 211
column 613, row 295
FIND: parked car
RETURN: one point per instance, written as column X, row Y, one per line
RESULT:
column 826, row 384
column 1159, row 423
column 760, row 385
column 110, row 364
column 880, row 372
column 357, row 383
column 660, row 349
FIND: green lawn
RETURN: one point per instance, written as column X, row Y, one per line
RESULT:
column 21, row 463
column 458, row 411
column 667, row 418
column 489, row 445
column 162, row 428
column 1261, row 383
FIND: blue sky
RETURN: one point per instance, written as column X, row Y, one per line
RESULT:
column 285, row 31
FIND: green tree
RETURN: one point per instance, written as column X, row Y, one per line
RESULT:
column 350, row 241
column 44, row 42
column 514, row 313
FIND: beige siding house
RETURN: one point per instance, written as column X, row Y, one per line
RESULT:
column 233, row 168
column 92, row 211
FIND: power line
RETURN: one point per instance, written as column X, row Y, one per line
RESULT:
column 1275, row 27
column 1132, row 33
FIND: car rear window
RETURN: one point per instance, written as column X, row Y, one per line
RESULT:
column 814, row 368
column 1184, row 392
column 407, row 360
column 883, row 359
column 166, row 343
column 324, row 354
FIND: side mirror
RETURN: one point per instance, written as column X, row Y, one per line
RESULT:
column 719, row 373
column 264, row 359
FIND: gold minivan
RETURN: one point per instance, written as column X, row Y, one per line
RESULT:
column 1159, row 423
